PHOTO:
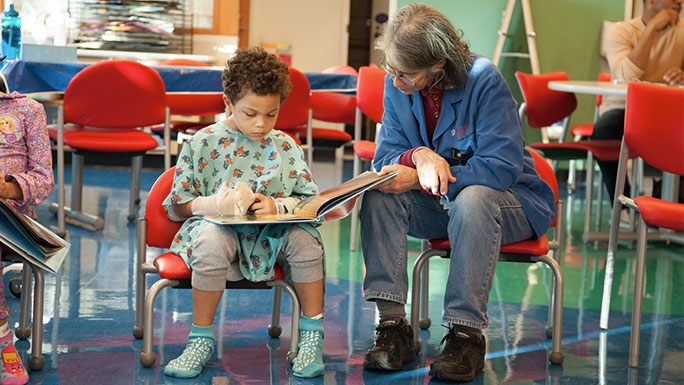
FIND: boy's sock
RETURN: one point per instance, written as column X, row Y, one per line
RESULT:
column 191, row 362
column 309, row 360
column 13, row 372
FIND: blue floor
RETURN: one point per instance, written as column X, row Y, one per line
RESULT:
column 90, row 311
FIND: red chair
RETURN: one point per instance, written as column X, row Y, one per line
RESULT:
column 654, row 130
column 543, row 107
column 369, row 93
column 295, row 117
column 332, row 106
column 530, row 251
column 584, row 131
column 175, row 273
column 183, row 62
column 106, row 104
column 188, row 104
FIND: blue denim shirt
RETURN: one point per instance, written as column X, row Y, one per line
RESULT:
column 480, row 121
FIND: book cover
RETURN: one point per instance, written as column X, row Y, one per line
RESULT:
column 331, row 204
column 31, row 240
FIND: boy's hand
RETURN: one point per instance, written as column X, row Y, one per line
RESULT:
column 226, row 201
column 262, row 205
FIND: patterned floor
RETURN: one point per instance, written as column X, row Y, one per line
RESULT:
column 90, row 310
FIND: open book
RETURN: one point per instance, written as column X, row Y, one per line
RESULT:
column 331, row 204
column 30, row 239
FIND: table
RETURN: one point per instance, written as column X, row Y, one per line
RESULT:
column 589, row 87
column 30, row 77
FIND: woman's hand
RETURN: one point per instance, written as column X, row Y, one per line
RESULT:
column 405, row 180
column 262, row 205
column 674, row 77
column 433, row 171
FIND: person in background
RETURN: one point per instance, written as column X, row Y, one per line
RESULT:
column 647, row 48
column 230, row 167
column 451, row 131
column 25, row 181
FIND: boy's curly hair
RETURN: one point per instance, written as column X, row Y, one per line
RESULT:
column 253, row 69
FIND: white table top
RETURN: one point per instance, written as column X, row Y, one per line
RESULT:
column 589, row 87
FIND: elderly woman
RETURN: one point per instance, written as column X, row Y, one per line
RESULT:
column 451, row 131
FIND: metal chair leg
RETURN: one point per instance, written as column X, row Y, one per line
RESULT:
column 635, row 334
column 37, row 361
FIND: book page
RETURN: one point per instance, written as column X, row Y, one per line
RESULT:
column 314, row 208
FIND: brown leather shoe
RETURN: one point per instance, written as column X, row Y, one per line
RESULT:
column 462, row 355
column 393, row 346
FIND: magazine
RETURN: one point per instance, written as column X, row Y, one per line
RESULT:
column 334, row 203
column 30, row 239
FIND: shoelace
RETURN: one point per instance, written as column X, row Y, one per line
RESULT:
column 386, row 334
column 448, row 345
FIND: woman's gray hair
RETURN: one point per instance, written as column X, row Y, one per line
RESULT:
column 418, row 37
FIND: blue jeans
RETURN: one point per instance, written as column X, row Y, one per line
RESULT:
column 477, row 223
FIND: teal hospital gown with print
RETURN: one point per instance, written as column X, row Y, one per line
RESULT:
column 273, row 166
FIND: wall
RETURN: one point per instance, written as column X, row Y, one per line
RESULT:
column 316, row 30
column 568, row 33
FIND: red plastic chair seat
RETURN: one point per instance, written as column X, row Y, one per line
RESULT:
column 658, row 212
column 584, row 130
column 323, row 134
column 118, row 141
column 530, row 246
column 172, row 266
column 364, row 149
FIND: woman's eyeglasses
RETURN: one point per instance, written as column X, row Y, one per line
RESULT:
column 401, row 77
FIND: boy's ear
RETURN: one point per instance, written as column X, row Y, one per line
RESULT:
column 228, row 104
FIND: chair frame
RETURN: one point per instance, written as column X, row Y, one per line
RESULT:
column 420, row 280
column 144, row 299
column 642, row 236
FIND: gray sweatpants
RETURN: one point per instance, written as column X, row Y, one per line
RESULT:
column 216, row 257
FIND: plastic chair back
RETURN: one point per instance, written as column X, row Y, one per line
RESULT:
column 183, row 62
column 295, row 110
column 160, row 229
column 115, row 94
column 341, row 69
column 370, row 91
column 543, row 106
column 542, row 167
column 654, row 125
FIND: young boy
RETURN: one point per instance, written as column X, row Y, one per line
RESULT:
column 227, row 168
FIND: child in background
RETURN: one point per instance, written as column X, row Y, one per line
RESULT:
column 227, row 168
column 25, row 181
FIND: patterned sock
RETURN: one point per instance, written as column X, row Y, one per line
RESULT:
column 191, row 362
column 14, row 372
column 309, row 360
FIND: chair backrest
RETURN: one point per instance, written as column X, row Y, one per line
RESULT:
column 654, row 125
column 602, row 77
column 115, row 94
column 160, row 229
column 370, row 90
column 543, row 106
column 341, row 69
column 196, row 104
column 183, row 62
column 295, row 110
column 546, row 173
